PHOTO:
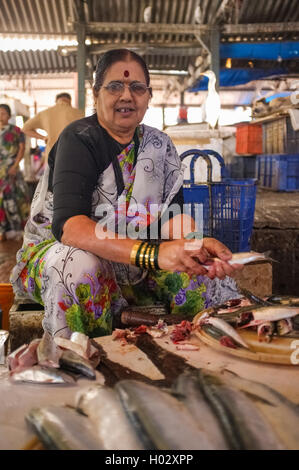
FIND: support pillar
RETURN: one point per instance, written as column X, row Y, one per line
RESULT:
column 81, row 60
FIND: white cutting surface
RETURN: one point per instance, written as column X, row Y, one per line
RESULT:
column 18, row 399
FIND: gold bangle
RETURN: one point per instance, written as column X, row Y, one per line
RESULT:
column 141, row 255
column 134, row 252
column 147, row 256
column 152, row 258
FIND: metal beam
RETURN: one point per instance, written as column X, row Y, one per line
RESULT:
column 259, row 28
column 96, row 27
column 81, row 60
column 171, row 48
column 215, row 54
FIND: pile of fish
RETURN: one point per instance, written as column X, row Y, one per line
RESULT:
column 270, row 317
column 54, row 360
column 202, row 411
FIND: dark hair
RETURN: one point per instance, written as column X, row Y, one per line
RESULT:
column 64, row 95
column 113, row 56
column 7, row 108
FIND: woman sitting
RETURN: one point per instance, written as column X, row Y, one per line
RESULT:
column 88, row 250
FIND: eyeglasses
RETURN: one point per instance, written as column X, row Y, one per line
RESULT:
column 117, row 88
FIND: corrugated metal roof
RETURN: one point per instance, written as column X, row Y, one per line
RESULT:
column 59, row 17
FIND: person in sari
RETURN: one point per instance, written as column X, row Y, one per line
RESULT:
column 88, row 248
column 14, row 200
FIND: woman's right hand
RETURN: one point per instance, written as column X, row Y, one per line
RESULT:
column 189, row 256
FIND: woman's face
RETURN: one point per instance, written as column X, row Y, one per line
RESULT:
column 121, row 113
column 4, row 116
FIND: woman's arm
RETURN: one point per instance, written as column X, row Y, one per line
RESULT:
column 14, row 168
column 177, row 255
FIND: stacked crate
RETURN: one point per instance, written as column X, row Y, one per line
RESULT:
column 277, row 168
column 249, row 143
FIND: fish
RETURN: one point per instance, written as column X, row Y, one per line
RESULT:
column 13, row 358
column 253, row 298
column 28, row 357
column 284, row 327
column 65, row 343
column 161, row 421
column 187, row 390
column 103, row 407
column 83, row 341
column 241, row 258
column 63, row 428
column 280, row 412
column 48, row 353
column 284, row 300
column 41, row 375
column 274, row 313
column 265, row 331
column 225, row 328
column 3, row 337
column 243, row 424
column 182, row 346
column 73, row 362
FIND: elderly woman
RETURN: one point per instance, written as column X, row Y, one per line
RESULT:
column 14, row 202
column 87, row 251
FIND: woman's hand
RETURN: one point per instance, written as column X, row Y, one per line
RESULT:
column 190, row 255
column 12, row 171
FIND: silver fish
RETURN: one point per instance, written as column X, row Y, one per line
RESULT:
column 187, row 390
column 225, row 327
column 242, row 258
column 284, row 326
column 42, row 375
column 3, row 337
column 281, row 413
column 265, row 330
column 242, row 423
column 63, row 428
column 71, row 361
column 48, row 353
column 160, row 420
column 274, row 313
column 103, row 407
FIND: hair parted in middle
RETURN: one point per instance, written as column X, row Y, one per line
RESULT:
column 117, row 55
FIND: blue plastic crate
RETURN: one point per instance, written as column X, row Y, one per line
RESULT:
column 278, row 172
column 227, row 208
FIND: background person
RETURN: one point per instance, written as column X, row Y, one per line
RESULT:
column 14, row 201
column 53, row 120
column 109, row 159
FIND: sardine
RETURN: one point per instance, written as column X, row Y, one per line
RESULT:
column 28, row 357
column 48, row 353
column 13, row 358
column 3, row 337
column 281, row 413
column 187, row 390
column 71, row 361
column 83, row 340
column 65, row 343
column 224, row 327
column 253, row 298
column 242, row 258
column 103, row 407
column 265, row 331
column 274, row 313
column 42, row 375
column 63, row 428
column 160, row 420
column 242, row 423
column 284, row 326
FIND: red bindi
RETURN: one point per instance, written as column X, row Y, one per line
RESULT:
column 126, row 73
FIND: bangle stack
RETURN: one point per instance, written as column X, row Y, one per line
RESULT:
column 145, row 255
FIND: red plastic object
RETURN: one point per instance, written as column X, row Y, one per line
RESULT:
column 249, row 139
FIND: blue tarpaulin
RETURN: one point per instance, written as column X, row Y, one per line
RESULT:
column 260, row 51
column 233, row 77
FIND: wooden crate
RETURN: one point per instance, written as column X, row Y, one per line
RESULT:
column 249, row 139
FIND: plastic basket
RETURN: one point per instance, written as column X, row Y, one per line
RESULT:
column 278, row 172
column 226, row 208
